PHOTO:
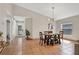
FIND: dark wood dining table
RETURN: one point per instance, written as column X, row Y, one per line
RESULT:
column 50, row 35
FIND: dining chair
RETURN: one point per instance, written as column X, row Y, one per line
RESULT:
column 56, row 39
column 61, row 34
column 52, row 41
column 41, row 42
column 48, row 40
column 59, row 41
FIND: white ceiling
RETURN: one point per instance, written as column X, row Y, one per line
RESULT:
column 42, row 8
column 61, row 10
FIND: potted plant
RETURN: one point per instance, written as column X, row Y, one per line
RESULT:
column 27, row 34
column 1, row 39
column 1, row 34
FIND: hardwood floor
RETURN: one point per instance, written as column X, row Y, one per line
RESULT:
column 15, row 48
column 21, row 46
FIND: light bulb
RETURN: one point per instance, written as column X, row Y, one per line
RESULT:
column 48, row 19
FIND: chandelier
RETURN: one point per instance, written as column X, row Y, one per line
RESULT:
column 51, row 20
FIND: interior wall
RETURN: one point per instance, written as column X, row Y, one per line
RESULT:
column 75, row 26
column 14, row 29
column 28, row 25
column 39, row 22
column 5, row 10
column 18, row 20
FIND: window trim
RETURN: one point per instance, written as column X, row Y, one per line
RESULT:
column 70, row 28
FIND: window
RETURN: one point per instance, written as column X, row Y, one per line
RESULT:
column 67, row 28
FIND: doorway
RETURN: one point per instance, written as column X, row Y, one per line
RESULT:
column 8, row 30
column 20, row 30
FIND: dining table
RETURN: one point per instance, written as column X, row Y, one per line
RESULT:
column 49, row 36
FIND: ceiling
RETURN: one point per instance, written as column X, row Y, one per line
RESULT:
column 61, row 10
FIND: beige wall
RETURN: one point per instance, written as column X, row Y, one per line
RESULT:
column 5, row 10
column 39, row 22
column 75, row 26
column 28, row 25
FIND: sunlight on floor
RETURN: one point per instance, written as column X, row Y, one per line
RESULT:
column 66, row 41
column 20, row 46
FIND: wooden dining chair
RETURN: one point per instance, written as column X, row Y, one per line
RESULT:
column 59, row 41
column 55, row 39
column 41, row 42
column 61, row 34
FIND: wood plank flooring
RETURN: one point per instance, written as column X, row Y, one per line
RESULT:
column 21, row 46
